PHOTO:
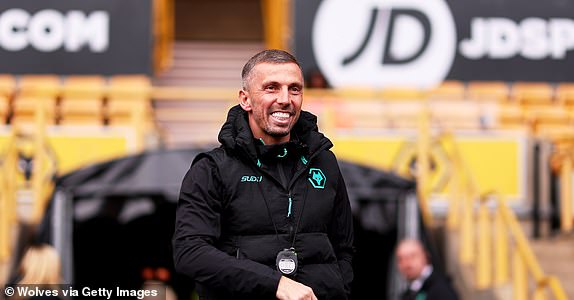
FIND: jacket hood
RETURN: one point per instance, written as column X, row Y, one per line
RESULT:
column 236, row 134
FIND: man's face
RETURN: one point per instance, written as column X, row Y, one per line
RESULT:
column 411, row 260
column 273, row 98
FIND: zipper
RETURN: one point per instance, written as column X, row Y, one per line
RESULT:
column 289, row 212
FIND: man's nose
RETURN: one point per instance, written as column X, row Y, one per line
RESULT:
column 283, row 97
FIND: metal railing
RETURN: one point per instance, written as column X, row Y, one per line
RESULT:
column 41, row 186
column 8, row 171
column 563, row 161
column 490, row 234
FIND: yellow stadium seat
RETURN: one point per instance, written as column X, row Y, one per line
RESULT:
column 403, row 114
column 487, row 91
column 548, row 117
column 356, row 93
column 4, row 108
column 510, row 116
column 128, row 96
column 82, row 100
column 34, row 90
column 565, row 94
column 532, row 93
column 7, row 84
column 448, row 90
column 401, row 94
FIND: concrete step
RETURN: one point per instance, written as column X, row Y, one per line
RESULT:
column 207, row 64
column 556, row 257
column 200, row 64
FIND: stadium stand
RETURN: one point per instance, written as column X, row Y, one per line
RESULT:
column 565, row 95
column 36, row 94
column 532, row 93
column 449, row 90
column 6, row 93
column 82, row 100
column 487, row 91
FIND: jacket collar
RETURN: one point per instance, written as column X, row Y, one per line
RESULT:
column 236, row 134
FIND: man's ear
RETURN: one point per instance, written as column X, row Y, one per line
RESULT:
column 244, row 100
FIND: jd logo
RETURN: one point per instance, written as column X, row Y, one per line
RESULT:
column 384, row 43
column 251, row 178
column 317, row 178
column 531, row 38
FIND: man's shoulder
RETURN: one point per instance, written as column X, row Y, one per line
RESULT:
column 439, row 285
column 216, row 156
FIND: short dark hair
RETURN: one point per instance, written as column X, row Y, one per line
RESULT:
column 272, row 56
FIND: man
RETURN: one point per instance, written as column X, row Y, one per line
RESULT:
column 425, row 283
column 266, row 215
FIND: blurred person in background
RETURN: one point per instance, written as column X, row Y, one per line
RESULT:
column 266, row 215
column 424, row 282
column 316, row 80
column 40, row 266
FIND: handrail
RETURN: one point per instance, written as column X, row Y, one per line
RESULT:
column 564, row 160
column 478, row 242
column 423, row 165
column 8, row 170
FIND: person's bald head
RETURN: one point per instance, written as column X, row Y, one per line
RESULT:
column 411, row 258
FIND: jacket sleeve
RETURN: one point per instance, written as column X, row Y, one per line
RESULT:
column 197, row 229
column 341, row 233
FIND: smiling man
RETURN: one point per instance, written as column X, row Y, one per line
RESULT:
column 266, row 215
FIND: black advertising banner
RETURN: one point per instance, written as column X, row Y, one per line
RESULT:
column 76, row 37
column 420, row 43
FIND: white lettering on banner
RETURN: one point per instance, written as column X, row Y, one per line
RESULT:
column 382, row 43
column 532, row 38
column 49, row 30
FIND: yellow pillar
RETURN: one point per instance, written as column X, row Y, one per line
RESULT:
column 10, row 167
column 4, row 221
column 276, row 15
column 484, row 259
column 519, row 277
column 452, row 219
column 39, row 161
column 566, row 194
column 540, row 291
column 423, row 164
column 501, row 253
column 467, row 230
column 139, row 123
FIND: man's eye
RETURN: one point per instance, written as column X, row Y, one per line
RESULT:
column 270, row 88
column 295, row 90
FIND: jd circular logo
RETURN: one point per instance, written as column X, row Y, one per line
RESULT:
column 384, row 43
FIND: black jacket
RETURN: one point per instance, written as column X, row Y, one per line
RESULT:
column 237, row 210
column 435, row 287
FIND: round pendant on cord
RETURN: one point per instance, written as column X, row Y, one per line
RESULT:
column 286, row 261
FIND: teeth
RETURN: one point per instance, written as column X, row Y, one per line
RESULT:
column 280, row 115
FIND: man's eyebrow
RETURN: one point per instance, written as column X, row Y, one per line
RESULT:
column 271, row 82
